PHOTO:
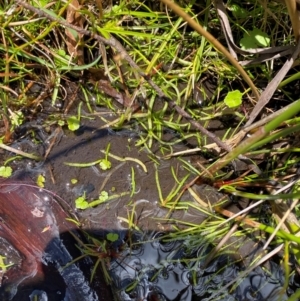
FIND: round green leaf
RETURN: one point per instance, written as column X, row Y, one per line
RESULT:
column 105, row 164
column 112, row 237
column 255, row 38
column 81, row 203
column 40, row 181
column 103, row 196
column 73, row 123
column 5, row 171
column 233, row 99
column 74, row 181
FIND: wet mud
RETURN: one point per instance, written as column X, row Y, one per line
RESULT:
column 85, row 146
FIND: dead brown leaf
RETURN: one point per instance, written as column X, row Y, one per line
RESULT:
column 73, row 41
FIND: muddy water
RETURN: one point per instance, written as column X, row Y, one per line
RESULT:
column 20, row 282
column 84, row 146
column 153, row 270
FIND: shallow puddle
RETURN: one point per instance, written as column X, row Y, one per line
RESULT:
column 142, row 264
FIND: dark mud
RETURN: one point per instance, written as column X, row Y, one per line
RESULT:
column 84, row 146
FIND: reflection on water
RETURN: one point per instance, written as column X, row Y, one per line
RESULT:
column 165, row 271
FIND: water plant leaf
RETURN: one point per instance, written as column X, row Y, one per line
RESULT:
column 105, row 164
column 5, row 171
column 40, row 181
column 74, row 181
column 103, row 196
column 233, row 99
column 17, row 118
column 124, row 160
column 3, row 266
column 112, row 237
column 81, row 203
column 73, row 123
column 255, row 38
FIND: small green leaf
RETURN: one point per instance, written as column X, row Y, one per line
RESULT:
column 255, row 38
column 74, row 181
column 81, row 203
column 3, row 266
column 105, row 164
column 73, row 123
column 40, row 181
column 5, row 171
column 17, row 118
column 112, row 237
column 233, row 99
column 103, row 196
column 61, row 52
